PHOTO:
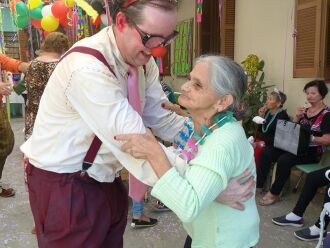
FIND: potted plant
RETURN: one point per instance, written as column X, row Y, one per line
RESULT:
column 256, row 95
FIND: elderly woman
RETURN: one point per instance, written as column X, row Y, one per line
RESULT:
column 216, row 151
column 271, row 113
column 315, row 118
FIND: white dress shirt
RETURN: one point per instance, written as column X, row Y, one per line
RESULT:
column 83, row 98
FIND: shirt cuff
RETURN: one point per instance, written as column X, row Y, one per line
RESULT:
column 163, row 185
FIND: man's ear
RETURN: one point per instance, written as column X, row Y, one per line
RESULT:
column 121, row 21
column 224, row 102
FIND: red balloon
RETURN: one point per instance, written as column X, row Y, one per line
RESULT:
column 64, row 22
column 45, row 33
column 159, row 51
column 36, row 23
column 97, row 21
column 59, row 10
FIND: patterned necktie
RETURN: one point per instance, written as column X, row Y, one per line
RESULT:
column 137, row 189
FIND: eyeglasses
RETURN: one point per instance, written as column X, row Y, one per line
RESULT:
column 152, row 40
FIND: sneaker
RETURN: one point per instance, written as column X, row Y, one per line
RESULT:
column 305, row 235
column 136, row 223
column 160, row 207
column 282, row 221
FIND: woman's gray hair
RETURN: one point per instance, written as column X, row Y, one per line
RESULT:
column 226, row 78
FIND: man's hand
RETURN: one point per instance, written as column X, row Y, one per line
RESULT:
column 175, row 108
column 5, row 88
column 236, row 193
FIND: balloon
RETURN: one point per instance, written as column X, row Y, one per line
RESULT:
column 22, row 21
column 59, row 10
column 32, row 4
column 47, row 10
column 158, row 51
column 68, row 3
column 104, row 19
column 36, row 14
column 46, row 33
column 64, row 22
column 49, row 23
column 36, row 23
column 21, row 9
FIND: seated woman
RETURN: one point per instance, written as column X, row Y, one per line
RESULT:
column 314, row 180
column 216, row 151
column 316, row 118
column 271, row 113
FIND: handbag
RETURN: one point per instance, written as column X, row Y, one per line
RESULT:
column 291, row 137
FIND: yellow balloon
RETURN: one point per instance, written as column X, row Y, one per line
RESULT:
column 32, row 4
column 49, row 23
column 69, row 3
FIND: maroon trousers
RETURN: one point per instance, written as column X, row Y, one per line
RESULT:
column 72, row 211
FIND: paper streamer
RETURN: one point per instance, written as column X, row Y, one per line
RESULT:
column 161, row 68
column 199, row 11
column 87, row 8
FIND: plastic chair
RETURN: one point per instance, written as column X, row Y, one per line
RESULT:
column 308, row 168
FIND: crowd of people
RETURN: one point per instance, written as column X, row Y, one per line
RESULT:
column 98, row 107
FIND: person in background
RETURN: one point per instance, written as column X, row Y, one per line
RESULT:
column 39, row 72
column 272, row 112
column 6, row 134
column 37, row 76
column 314, row 180
column 316, row 119
column 210, row 156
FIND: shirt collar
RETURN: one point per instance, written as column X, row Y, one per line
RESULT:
column 119, row 60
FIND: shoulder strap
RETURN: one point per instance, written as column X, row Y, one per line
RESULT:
column 96, row 143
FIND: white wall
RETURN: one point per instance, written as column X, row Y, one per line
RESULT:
column 264, row 28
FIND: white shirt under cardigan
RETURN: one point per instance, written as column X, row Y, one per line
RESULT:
column 83, row 98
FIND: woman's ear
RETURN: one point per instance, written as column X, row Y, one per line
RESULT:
column 224, row 102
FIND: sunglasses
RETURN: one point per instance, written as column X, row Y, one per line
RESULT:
column 152, row 40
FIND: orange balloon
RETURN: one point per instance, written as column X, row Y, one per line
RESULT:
column 46, row 33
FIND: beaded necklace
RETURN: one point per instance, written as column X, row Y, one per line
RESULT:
column 264, row 130
column 219, row 120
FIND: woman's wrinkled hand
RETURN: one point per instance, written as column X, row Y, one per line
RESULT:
column 141, row 146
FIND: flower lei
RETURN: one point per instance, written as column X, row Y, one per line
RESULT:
column 190, row 149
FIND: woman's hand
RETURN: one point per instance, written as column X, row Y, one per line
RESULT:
column 299, row 114
column 5, row 88
column 262, row 111
column 236, row 192
column 145, row 146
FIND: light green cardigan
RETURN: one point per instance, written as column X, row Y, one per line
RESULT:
column 226, row 153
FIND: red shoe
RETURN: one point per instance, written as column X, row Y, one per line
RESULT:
column 7, row 192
